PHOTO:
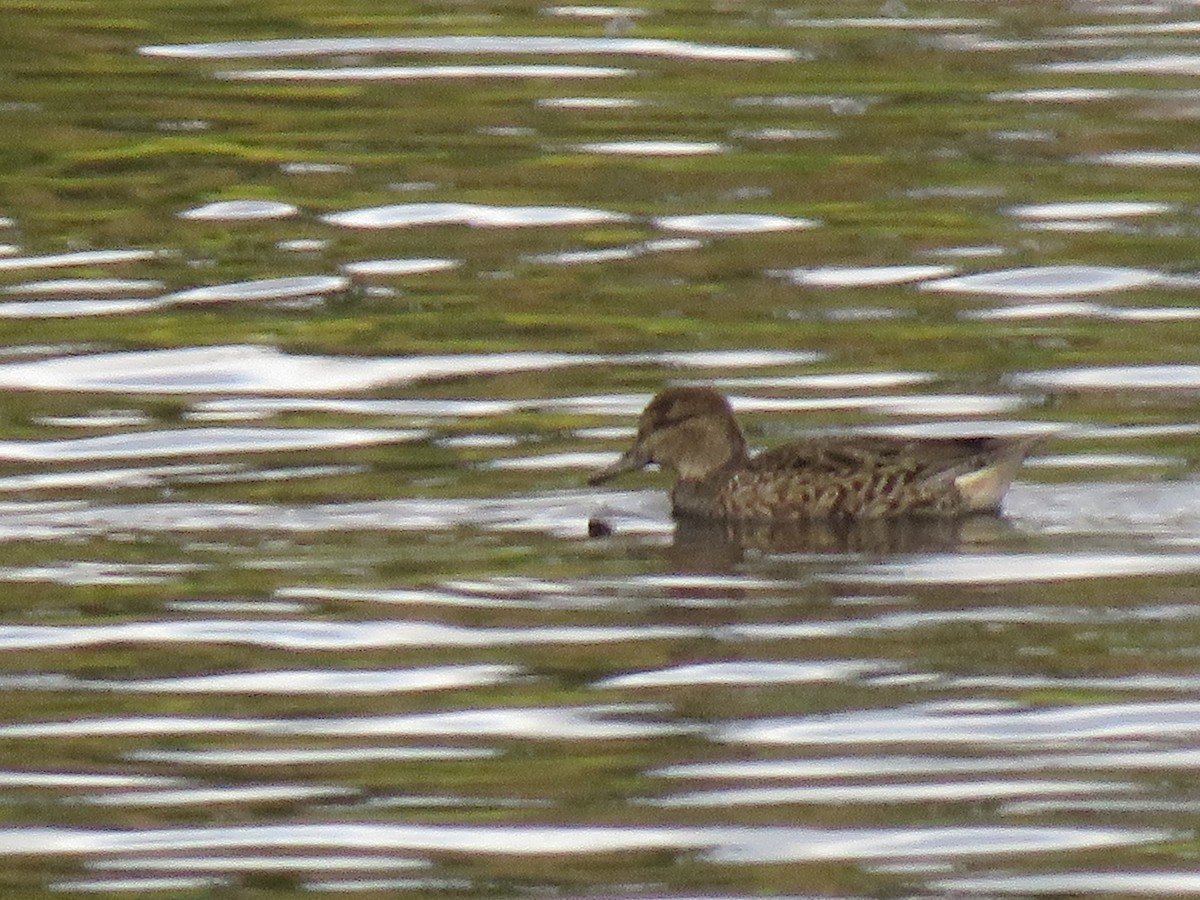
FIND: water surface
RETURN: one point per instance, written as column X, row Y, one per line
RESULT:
column 315, row 318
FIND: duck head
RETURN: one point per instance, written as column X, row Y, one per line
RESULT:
column 689, row 431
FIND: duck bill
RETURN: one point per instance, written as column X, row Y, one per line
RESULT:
column 633, row 459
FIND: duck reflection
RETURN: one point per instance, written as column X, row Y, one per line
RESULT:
column 714, row 546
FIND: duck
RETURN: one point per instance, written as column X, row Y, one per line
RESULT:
column 691, row 433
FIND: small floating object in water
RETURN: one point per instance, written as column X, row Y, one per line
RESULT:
column 691, row 432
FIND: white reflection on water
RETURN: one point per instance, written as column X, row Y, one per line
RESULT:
column 594, row 12
column 862, row 276
column 240, row 211
column 747, row 672
column 69, row 309
column 204, row 796
column 468, row 44
column 78, row 572
column 301, row 634
column 1154, row 159
column 1082, row 309
column 1049, row 281
column 1142, row 64
column 87, row 286
column 1151, row 883
column 303, row 756
column 89, row 780
column 741, row 844
column 609, row 254
column 1102, row 378
column 1089, row 209
column 261, row 289
column 929, row 792
column 1061, row 95
column 1016, row 568
column 199, row 442
column 251, row 369
column 928, row 725
column 264, row 407
column 405, row 73
column 888, row 765
column 318, row 681
column 475, row 215
column 732, row 223
column 76, row 258
column 399, row 266
column 590, row 103
column 653, row 148
column 901, row 22
column 247, row 863
column 546, row 723
column 829, row 381
column 187, row 883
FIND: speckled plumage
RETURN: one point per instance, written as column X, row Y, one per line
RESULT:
column 692, row 433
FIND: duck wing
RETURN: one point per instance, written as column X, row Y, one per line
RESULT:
column 878, row 475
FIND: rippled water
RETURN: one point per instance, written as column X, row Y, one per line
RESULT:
column 312, row 322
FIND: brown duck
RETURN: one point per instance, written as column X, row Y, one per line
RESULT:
column 691, row 432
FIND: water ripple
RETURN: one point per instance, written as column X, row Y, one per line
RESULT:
column 240, row 211
column 543, row 723
column 747, row 673
column 475, row 215
column 931, row 792
column 467, row 44
column 199, row 442
column 326, row 682
column 1154, row 883
column 251, row 369
column 744, row 844
column 76, row 258
column 261, row 289
column 310, row 635
column 405, row 73
column 1009, row 568
column 1049, row 281
column 926, row 724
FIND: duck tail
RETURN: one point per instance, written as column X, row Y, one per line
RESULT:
column 983, row 487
